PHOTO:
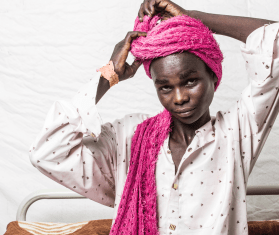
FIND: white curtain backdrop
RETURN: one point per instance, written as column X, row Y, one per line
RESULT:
column 50, row 48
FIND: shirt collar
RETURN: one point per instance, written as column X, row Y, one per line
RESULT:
column 206, row 133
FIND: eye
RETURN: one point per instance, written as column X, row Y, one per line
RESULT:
column 165, row 89
column 191, row 82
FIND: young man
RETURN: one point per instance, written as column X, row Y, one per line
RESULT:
column 203, row 162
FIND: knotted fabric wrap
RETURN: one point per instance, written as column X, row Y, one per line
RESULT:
column 177, row 34
column 137, row 211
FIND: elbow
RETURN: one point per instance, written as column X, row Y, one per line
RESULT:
column 33, row 156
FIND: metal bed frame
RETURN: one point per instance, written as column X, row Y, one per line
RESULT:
column 66, row 194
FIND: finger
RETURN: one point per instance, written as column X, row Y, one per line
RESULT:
column 133, row 68
column 151, row 7
column 132, row 35
column 140, row 14
column 135, row 65
column 146, row 10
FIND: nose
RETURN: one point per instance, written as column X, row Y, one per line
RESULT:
column 180, row 96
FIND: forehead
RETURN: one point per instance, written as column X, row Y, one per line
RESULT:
column 175, row 64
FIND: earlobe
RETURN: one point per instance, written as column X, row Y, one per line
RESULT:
column 215, row 79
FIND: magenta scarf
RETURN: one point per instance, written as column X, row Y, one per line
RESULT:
column 137, row 211
column 175, row 35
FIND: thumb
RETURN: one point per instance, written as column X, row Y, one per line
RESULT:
column 134, row 67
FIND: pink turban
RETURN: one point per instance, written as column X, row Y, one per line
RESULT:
column 177, row 34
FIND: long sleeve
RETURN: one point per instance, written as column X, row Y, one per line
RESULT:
column 60, row 150
column 257, row 109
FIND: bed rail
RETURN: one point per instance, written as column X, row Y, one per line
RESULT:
column 66, row 194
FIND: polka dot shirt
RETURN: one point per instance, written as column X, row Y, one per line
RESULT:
column 207, row 195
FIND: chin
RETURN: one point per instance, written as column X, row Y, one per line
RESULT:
column 186, row 120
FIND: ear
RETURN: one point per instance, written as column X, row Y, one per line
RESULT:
column 215, row 79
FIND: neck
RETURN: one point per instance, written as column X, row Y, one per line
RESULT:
column 184, row 133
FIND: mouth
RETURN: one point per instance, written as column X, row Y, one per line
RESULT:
column 184, row 112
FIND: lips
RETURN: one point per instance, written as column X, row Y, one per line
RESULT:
column 184, row 112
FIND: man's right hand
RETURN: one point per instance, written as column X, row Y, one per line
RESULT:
column 166, row 8
column 120, row 54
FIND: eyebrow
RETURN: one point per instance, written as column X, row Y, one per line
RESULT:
column 187, row 74
column 182, row 76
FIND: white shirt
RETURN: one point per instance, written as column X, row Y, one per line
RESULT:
column 208, row 193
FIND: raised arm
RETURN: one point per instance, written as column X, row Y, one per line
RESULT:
column 121, row 67
column 232, row 26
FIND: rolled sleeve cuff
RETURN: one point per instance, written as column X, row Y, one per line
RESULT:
column 84, row 101
column 258, row 51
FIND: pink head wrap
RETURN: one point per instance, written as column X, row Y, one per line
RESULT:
column 177, row 34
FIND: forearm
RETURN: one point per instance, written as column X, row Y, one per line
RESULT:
column 103, row 87
column 232, row 26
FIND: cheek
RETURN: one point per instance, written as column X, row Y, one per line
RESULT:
column 206, row 95
column 202, row 95
column 164, row 100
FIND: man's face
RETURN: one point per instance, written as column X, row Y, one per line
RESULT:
column 184, row 86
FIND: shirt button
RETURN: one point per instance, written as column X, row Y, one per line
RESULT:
column 175, row 186
column 92, row 135
column 190, row 149
column 168, row 151
column 172, row 227
column 213, row 134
